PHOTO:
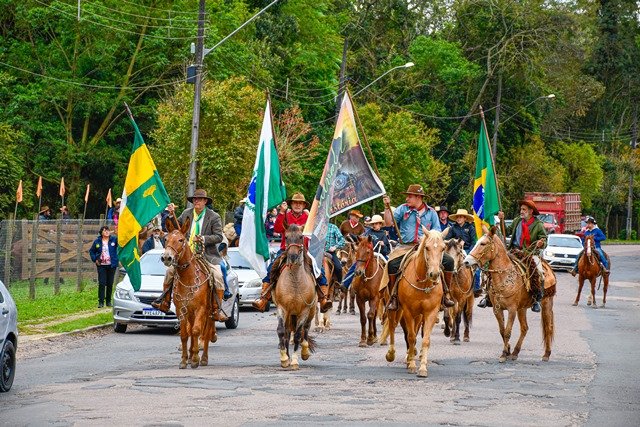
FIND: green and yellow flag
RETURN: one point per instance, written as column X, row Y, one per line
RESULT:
column 143, row 197
column 486, row 199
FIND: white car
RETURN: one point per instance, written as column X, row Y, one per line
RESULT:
column 249, row 282
column 562, row 250
column 8, row 338
column 134, row 307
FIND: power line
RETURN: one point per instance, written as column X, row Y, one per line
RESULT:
column 177, row 16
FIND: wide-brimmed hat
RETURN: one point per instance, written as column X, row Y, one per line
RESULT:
column 462, row 213
column 355, row 212
column 415, row 189
column 44, row 209
column 298, row 197
column 200, row 193
column 118, row 200
column 591, row 220
column 443, row 208
column 531, row 205
column 375, row 220
column 243, row 200
column 64, row 208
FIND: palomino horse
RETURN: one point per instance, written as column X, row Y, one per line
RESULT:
column 366, row 285
column 296, row 299
column 347, row 258
column 508, row 291
column 461, row 292
column 193, row 291
column 323, row 320
column 589, row 269
column 419, row 295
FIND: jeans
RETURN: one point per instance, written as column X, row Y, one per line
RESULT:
column 476, row 280
column 223, row 267
column 106, row 274
column 321, row 280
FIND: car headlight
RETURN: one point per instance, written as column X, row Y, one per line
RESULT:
column 123, row 294
column 255, row 283
column 551, row 254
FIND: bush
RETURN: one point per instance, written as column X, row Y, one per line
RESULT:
column 622, row 235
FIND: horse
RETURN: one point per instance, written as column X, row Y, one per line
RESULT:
column 323, row 320
column 461, row 290
column 589, row 269
column 230, row 233
column 347, row 257
column 193, row 293
column 419, row 296
column 296, row 300
column 508, row 291
column 366, row 284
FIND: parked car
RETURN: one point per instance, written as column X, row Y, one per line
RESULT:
column 562, row 250
column 134, row 307
column 249, row 282
column 8, row 338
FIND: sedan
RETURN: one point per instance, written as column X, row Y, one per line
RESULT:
column 249, row 281
column 134, row 307
column 562, row 250
column 8, row 338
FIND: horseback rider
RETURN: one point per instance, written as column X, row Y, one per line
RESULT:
column 592, row 229
column 206, row 232
column 443, row 218
column 332, row 243
column 352, row 226
column 527, row 235
column 464, row 230
column 410, row 218
column 297, row 215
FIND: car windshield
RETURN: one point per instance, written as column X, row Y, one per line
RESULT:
column 151, row 265
column 237, row 261
column 546, row 218
column 565, row 242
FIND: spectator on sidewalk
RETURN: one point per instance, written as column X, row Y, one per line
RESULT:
column 104, row 252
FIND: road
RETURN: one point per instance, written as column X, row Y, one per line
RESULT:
column 103, row 377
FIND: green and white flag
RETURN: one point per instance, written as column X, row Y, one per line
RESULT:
column 266, row 190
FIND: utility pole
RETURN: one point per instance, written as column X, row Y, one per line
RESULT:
column 195, row 127
column 634, row 144
column 496, row 123
column 343, row 67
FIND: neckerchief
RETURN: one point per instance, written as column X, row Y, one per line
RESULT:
column 525, row 240
column 195, row 230
column 353, row 224
column 418, row 213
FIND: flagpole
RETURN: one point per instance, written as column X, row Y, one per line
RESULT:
column 495, row 175
column 15, row 211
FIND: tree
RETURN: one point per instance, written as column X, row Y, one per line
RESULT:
column 582, row 169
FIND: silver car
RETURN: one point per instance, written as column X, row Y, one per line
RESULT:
column 134, row 307
column 249, row 282
column 562, row 250
column 8, row 338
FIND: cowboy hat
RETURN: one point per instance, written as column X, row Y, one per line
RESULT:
column 44, row 209
column 442, row 208
column 201, row 194
column 118, row 200
column 415, row 189
column 355, row 212
column 376, row 219
column 462, row 213
column 64, row 208
column 243, row 200
column 591, row 219
column 298, row 197
column 530, row 205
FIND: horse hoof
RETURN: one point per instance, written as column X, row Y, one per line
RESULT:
column 284, row 363
column 412, row 370
column 362, row 343
column 338, row 313
column 383, row 343
column 465, row 339
column 352, row 312
column 183, row 365
column 575, row 304
column 213, row 339
column 447, row 333
column 372, row 341
column 502, row 359
column 602, row 306
column 545, row 358
column 422, row 373
column 513, row 357
column 456, row 342
column 391, row 356
column 204, row 362
column 594, row 305
column 295, row 367
column 305, row 355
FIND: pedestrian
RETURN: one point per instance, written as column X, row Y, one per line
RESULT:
column 104, row 252
column 44, row 214
column 155, row 241
column 64, row 212
column 114, row 212
column 237, row 217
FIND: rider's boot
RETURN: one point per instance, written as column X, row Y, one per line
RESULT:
column 218, row 314
column 163, row 302
column 486, row 301
column 393, row 301
column 536, row 304
column 261, row 303
column 325, row 303
column 446, row 297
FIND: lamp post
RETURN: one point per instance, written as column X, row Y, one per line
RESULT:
column 407, row 65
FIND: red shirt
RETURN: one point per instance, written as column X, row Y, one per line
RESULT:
column 279, row 226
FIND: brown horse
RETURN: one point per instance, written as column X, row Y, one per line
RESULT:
column 365, row 286
column 347, row 258
column 323, row 320
column 508, row 291
column 589, row 269
column 296, row 299
column 192, row 295
column 419, row 296
column 461, row 293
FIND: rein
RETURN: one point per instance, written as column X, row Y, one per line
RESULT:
column 426, row 289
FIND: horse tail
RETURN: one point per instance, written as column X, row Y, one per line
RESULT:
column 385, row 331
column 312, row 343
column 547, row 321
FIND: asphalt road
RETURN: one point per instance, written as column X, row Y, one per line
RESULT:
column 106, row 378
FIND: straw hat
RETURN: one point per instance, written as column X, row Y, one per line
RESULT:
column 118, row 200
column 530, row 205
column 462, row 213
column 376, row 219
column 298, row 197
column 356, row 213
column 201, row 194
column 415, row 189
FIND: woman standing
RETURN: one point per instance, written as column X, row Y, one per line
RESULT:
column 104, row 252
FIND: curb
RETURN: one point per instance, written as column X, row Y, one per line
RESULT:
column 37, row 337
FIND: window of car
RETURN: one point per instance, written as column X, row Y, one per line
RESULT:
column 565, row 242
column 1, row 297
column 151, row 265
column 238, row 261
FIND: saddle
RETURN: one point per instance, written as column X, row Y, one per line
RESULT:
column 528, row 269
column 280, row 262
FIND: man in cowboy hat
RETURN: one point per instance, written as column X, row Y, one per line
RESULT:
column 44, row 214
column 297, row 215
column 464, row 230
column 592, row 228
column 410, row 218
column 528, row 236
column 352, row 226
column 443, row 217
column 206, row 233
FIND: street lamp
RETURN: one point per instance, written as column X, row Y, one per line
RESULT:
column 550, row 96
column 407, row 65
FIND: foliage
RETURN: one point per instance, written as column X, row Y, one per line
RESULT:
column 582, row 170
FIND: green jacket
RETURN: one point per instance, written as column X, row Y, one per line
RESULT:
column 536, row 231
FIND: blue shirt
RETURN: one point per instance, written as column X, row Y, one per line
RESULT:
column 598, row 236
column 410, row 222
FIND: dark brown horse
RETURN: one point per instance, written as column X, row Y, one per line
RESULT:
column 508, row 291
column 323, row 320
column 589, row 269
column 366, row 285
column 296, row 299
column 192, row 295
column 347, row 297
column 461, row 293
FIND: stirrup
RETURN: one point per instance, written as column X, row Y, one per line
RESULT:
column 393, row 303
column 535, row 307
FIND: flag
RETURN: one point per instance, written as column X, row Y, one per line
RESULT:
column 486, row 201
column 143, row 197
column 347, row 179
column 266, row 190
column 39, row 188
column 19, row 193
column 108, row 199
column 62, row 189
column 86, row 195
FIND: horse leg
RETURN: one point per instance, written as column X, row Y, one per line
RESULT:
column 524, row 327
column 580, row 285
column 352, row 298
column 184, row 339
column 283, row 343
column 547, row 326
column 196, row 331
column 505, row 343
column 371, row 315
column 605, row 287
column 410, row 329
column 456, row 326
column 593, row 291
column 446, row 315
column 297, row 340
column 468, row 315
column 391, row 331
column 363, row 322
column 306, row 349
column 206, row 336
column 427, row 326
column 506, row 352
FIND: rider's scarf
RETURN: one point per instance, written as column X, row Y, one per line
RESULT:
column 419, row 212
column 354, row 224
column 195, row 230
column 525, row 239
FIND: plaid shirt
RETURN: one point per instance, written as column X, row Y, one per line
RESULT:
column 333, row 238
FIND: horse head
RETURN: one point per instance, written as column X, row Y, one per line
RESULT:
column 176, row 247
column 455, row 248
column 589, row 244
column 484, row 249
column 431, row 248
column 364, row 254
column 295, row 245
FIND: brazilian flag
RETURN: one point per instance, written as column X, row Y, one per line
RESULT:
column 486, row 202
column 144, row 196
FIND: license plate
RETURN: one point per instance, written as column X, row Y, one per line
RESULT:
column 152, row 312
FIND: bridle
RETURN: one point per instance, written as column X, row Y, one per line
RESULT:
column 179, row 254
column 426, row 289
column 367, row 261
column 489, row 248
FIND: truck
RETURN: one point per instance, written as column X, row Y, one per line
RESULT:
column 560, row 212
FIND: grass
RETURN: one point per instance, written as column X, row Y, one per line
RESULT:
column 620, row 242
column 85, row 322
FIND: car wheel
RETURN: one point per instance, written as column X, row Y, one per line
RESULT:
column 7, row 366
column 233, row 320
column 120, row 328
